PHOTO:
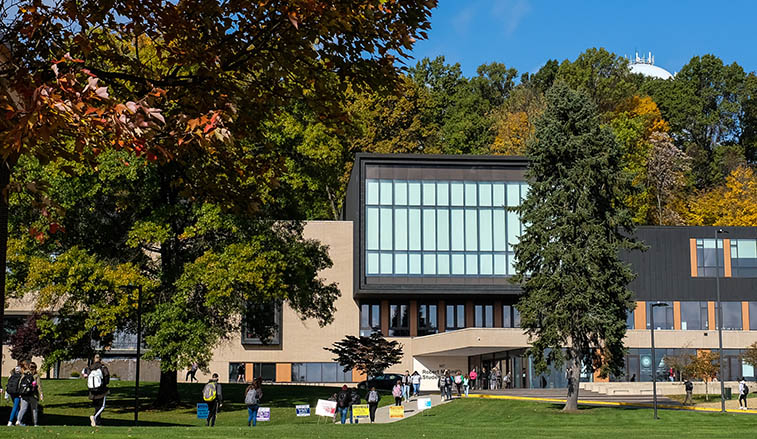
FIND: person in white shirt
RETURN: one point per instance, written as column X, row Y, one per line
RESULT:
column 415, row 378
column 743, row 392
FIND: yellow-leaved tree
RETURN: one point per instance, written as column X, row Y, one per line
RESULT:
column 731, row 204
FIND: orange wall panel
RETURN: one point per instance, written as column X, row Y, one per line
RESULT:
column 727, row 257
column 248, row 372
column 745, row 316
column 711, row 315
column 283, row 372
column 693, row 255
column 677, row 315
column 640, row 316
column 357, row 376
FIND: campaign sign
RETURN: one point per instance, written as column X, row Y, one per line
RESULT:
column 202, row 411
column 424, row 403
column 325, row 408
column 360, row 411
column 264, row 414
column 397, row 411
column 302, row 410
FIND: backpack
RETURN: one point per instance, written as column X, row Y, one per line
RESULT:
column 209, row 392
column 13, row 384
column 373, row 396
column 95, row 379
column 251, row 398
column 458, row 379
column 746, row 389
column 689, row 386
column 343, row 398
column 26, row 385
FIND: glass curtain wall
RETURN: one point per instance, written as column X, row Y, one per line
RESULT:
column 441, row 228
column 744, row 257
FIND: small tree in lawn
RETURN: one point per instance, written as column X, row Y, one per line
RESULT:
column 705, row 366
column 680, row 362
column 370, row 355
column 750, row 355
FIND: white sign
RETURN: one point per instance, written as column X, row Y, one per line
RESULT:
column 264, row 414
column 424, row 403
column 302, row 410
column 325, row 408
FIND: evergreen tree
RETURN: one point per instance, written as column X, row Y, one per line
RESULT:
column 575, row 299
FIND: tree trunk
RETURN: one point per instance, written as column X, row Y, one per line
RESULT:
column 168, row 392
column 706, row 391
column 573, row 372
column 5, row 176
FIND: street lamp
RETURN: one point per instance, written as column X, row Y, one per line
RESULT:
column 139, row 346
column 720, row 318
column 654, row 361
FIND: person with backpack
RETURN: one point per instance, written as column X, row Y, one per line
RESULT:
column 212, row 394
column 13, row 392
column 31, row 393
column 252, row 396
column 743, row 392
column 98, row 378
column 354, row 399
column 689, row 386
column 397, row 393
column 448, row 385
column 415, row 378
column 343, row 402
column 459, row 384
column 373, row 402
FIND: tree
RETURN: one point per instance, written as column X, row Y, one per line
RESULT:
column 667, row 168
column 219, row 71
column 750, row 354
column 731, row 204
column 604, row 76
column 513, row 122
column 575, row 298
column 705, row 366
column 27, row 341
column 680, row 362
column 370, row 355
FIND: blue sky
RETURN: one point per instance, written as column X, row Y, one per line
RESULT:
column 526, row 33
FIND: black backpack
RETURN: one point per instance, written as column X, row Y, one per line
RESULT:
column 26, row 385
column 343, row 398
column 13, row 384
column 746, row 389
column 689, row 386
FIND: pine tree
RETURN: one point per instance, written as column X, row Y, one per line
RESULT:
column 575, row 297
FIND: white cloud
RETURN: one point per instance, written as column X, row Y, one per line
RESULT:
column 511, row 12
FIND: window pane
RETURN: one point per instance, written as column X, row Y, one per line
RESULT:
column 376, row 316
column 400, row 229
column 429, row 229
column 386, row 263
column 485, row 229
column 458, row 264
column 386, row 192
column 364, row 315
column 484, row 194
column 524, row 188
column 372, row 228
column 442, row 264
column 442, row 194
column 513, row 229
column 429, row 263
column 457, row 225
column 732, row 315
column 328, row 372
column 513, row 194
column 456, row 191
column 415, row 263
column 516, row 318
column 486, row 264
column 747, row 248
column 372, row 263
column 690, row 316
column 313, row 372
column 470, row 194
column 499, row 230
column 450, row 316
column 489, row 316
column 471, row 263
column 400, row 263
column 478, row 313
column 400, row 193
column 414, row 229
column 432, row 316
column 511, row 264
column 442, row 229
column 429, row 193
column 386, row 235
column 471, row 230
column 371, row 192
column 414, row 193
column 506, row 316
column 500, row 264
column 460, row 316
column 498, row 194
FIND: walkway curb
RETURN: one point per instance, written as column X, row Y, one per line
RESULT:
column 611, row 403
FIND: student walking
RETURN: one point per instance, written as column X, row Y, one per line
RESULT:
column 473, row 375
column 252, row 396
column 240, row 373
column 406, row 386
column 743, row 392
column 354, row 399
column 343, row 400
column 212, row 394
column 508, row 380
column 397, row 393
column 689, row 386
column 466, row 384
column 12, row 391
column 98, row 378
column 192, row 372
column 459, row 384
column 373, row 401
column 31, row 394
column 448, row 385
column 415, row 378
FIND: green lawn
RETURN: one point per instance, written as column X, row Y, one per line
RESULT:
column 67, row 404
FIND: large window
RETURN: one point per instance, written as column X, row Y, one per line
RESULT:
column 370, row 318
column 708, row 258
column 510, row 317
column 455, row 317
column 262, row 324
column 441, row 228
column 744, row 258
column 399, row 321
column 630, row 319
column 694, row 316
column 663, row 316
column 731, row 316
column 427, row 315
column 320, row 373
column 483, row 316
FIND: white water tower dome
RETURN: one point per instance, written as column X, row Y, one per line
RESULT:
column 646, row 67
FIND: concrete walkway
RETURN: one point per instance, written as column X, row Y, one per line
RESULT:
column 411, row 408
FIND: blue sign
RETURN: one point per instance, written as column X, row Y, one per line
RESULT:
column 202, row 411
column 302, row 409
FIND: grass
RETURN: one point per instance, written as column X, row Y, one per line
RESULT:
column 66, row 403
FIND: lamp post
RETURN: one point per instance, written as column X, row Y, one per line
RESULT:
column 654, row 361
column 139, row 347
column 720, row 318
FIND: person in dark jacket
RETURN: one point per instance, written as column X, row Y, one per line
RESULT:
column 215, row 404
column 12, row 390
column 355, row 399
column 343, row 403
column 98, row 394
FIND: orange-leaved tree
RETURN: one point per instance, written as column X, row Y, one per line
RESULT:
column 731, row 204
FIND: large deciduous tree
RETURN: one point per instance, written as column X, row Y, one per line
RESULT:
column 575, row 297
column 733, row 203
column 370, row 355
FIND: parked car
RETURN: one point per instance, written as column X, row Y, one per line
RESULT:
column 381, row 382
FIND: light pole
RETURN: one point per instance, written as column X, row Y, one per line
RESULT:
column 654, row 361
column 720, row 318
column 139, row 347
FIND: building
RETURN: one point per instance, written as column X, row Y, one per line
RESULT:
column 424, row 254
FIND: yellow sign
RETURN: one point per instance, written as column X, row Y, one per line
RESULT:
column 360, row 411
column 397, row 411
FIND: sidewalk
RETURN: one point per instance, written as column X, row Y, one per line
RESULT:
column 411, row 408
